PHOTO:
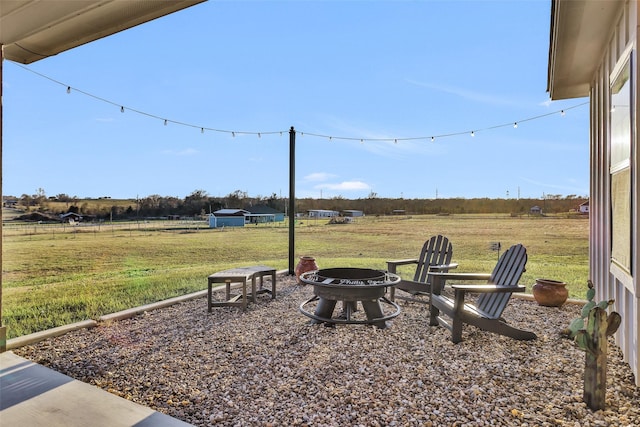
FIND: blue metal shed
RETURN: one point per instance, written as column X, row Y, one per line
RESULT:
column 228, row 218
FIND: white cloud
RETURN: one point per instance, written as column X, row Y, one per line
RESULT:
column 345, row 186
column 465, row 93
column 319, row 176
column 556, row 187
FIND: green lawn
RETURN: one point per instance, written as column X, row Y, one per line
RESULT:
column 56, row 276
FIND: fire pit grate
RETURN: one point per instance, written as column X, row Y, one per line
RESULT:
column 350, row 285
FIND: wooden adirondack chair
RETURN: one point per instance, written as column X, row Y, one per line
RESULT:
column 494, row 296
column 435, row 256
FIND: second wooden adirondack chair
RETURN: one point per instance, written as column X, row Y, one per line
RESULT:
column 494, row 296
column 435, row 256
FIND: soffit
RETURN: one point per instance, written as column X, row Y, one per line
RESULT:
column 580, row 30
column 31, row 30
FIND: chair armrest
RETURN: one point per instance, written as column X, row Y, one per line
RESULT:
column 461, row 291
column 438, row 279
column 391, row 265
column 461, row 276
column 443, row 267
column 488, row 288
column 403, row 261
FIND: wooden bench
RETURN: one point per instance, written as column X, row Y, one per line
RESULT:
column 240, row 275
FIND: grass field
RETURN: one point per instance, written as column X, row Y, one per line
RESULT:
column 55, row 276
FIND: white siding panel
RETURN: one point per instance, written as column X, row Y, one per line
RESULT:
column 627, row 298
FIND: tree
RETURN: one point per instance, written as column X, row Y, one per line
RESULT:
column 195, row 202
column 235, row 199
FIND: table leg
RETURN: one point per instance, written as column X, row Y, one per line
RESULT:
column 253, row 288
column 273, row 285
column 244, row 294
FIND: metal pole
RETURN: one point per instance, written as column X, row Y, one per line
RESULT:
column 3, row 329
column 292, row 199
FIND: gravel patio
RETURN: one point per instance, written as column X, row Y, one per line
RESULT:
column 269, row 367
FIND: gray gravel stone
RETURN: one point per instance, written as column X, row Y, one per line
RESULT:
column 269, row 367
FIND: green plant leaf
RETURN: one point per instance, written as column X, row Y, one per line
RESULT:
column 591, row 293
column 604, row 304
column 583, row 340
column 575, row 326
column 587, row 308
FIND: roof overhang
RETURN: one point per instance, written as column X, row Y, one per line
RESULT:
column 31, row 30
column 580, row 30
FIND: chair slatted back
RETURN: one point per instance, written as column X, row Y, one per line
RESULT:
column 435, row 251
column 507, row 272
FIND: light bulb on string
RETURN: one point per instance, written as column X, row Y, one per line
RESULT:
column 395, row 140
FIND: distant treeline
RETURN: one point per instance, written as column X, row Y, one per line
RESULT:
column 199, row 203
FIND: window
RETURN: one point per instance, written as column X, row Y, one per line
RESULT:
column 620, row 165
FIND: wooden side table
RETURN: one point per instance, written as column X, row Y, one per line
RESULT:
column 240, row 275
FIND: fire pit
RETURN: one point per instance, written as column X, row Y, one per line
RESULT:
column 349, row 285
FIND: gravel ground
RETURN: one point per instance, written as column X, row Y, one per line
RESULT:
column 269, row 367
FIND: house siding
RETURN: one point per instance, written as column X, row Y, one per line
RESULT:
column 610, row 282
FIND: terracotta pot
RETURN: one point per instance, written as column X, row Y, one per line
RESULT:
column 306, row 263
column 550, row 293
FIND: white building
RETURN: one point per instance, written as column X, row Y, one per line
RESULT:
column 594, row 53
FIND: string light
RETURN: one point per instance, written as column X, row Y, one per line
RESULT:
column 330, row 137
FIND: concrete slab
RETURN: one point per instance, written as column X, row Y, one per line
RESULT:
column 33, row 395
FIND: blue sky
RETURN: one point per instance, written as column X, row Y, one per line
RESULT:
column 374, row 71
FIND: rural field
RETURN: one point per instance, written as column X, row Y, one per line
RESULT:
column 54, row 274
